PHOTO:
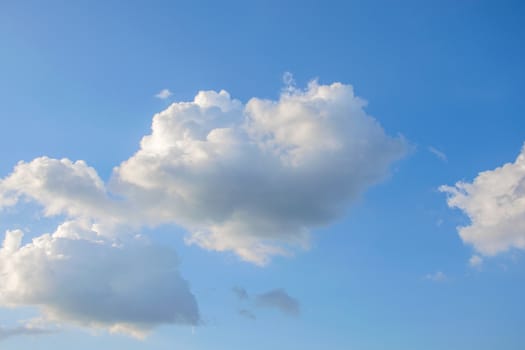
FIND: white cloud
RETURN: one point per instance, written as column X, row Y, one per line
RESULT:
column 438, row 153
column 250, row 178
column 60, row 186
column 164, row 94
column 256, row 178
column 475, row 261
column 495, row 205
column 75, row 276
column 280, row 300
column 437, row 276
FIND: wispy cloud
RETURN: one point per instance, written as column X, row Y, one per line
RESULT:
column 438, row 153
column 7, row 332
column 437, row 276
column 240, row 293
column 247, row 314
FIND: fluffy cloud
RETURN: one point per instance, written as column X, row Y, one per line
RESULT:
column 251, row 178
column 76, row 276
column 256, row 178
column 495, row 205
column 60, row 186
column 280, row 300
column 247, row 314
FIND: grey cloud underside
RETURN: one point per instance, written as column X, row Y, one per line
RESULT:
column 22, row 331
column 240, row 293
column 247, row 314
column 280, row 300
column 277, row 299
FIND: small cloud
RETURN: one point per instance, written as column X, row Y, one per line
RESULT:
column 240, row 292
column 164, row 94
column 247, row 314
column 494, row 201
column 475, row 261
column 438, row 153
column 289, row 82
column 280, row 300
column 22, row 330
column 437, row 276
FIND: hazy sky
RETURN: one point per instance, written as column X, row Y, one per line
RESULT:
column 206, row 175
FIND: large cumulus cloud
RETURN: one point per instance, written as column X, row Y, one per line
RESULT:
column 251, row 178
column 255, row 178
column 495, row 205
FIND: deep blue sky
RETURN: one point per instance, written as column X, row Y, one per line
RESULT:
column 78, row 80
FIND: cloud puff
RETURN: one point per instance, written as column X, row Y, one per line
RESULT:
column 280, row 300
column 475, row 261
column 250, row 178
column 76, row 276
column 60, row 186
column 437, row 276
column 164, row 94
column 495, row 205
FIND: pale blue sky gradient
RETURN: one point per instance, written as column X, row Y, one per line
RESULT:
column 78, row 80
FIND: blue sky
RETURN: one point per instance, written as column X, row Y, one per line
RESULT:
column 386, row 266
